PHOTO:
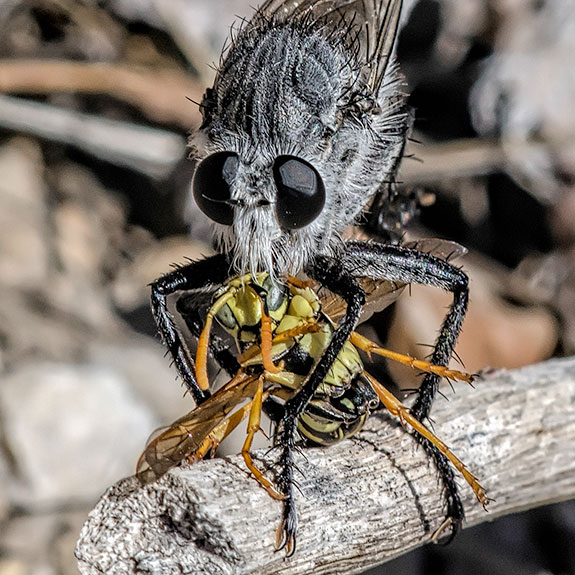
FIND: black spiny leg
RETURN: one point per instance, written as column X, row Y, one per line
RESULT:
column 443, row 350
column 398, row 263
column 192, row 276
column 331, row 275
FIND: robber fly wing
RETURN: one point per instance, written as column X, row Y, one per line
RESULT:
column 368, row 27
column 380, row 294
column 443, row 249
column 187, row 434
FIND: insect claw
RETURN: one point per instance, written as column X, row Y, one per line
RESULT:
column 264, row 433
column 447, row 523
column 285, row 538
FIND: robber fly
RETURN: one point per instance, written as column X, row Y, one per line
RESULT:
column 282, row 330
column 302, row 134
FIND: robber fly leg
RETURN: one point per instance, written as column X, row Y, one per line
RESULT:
column 398, row 263
column 331, row 275
column 189, row 277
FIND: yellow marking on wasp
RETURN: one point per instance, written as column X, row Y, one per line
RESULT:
column 395, row 407
column 369, row 347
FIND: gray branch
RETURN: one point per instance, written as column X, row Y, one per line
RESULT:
column 362, row 502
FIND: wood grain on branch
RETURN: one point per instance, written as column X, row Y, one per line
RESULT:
column 362, row 502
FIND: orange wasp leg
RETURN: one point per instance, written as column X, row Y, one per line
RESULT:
column 302, row 284
column 369, row 347
column 266, row 341
column 395, row 407
column 253, row 427
column 204, row 340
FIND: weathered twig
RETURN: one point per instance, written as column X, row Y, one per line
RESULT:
column 149, row 150
column 362, row 502
column 470, row 158
column 159, row 93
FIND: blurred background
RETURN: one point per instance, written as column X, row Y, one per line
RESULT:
column 94, row 204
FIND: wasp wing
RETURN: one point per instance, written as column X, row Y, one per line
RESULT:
column 187, row 434
column 382, row 293
column 367, row 27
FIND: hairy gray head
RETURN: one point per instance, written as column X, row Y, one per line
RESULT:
column 304, row 123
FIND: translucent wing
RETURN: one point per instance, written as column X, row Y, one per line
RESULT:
column 382, row 293
column 368, row 27
column 190, row 433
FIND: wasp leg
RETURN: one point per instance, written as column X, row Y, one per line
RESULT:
column 329, row 273
column 396, row 408
column 189, row 277
column 293, row 332
column 253, row 427
column 398, row 263
column 266, row 340
column 299, row 283
column 188, row 308
column 204, row 341
column 370, row 347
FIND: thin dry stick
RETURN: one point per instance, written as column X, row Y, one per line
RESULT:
column 159, row 93
column 149, row 150
column 468, row 158
column 362, row 502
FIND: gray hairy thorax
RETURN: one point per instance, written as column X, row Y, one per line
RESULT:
column 292, row 89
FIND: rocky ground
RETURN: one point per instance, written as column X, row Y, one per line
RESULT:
column 94, row 180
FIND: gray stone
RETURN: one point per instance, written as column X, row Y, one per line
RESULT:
column 71, row 430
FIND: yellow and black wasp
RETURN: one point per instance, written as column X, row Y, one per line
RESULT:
column 282, row 329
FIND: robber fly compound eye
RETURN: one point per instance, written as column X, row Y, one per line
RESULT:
column 212, row 186
column 300, row 192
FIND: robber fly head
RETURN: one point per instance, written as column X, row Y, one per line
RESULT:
column 303, row 124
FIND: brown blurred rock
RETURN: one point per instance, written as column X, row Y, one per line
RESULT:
column 59, row 243
column 495, row 334
column 23, row 215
